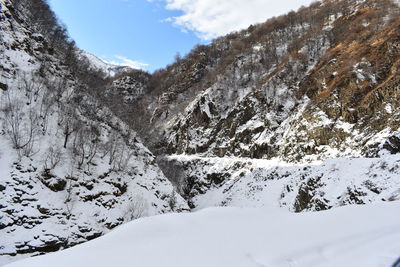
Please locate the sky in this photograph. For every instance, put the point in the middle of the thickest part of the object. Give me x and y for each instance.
(148, 34)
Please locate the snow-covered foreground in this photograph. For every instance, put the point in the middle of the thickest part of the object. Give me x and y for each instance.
(347, 236)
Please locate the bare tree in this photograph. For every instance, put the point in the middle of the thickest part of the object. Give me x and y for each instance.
(136, 209)
(111, 147)
(122, 158)
(86, 143)
(20, 124)
(67, 119)
(53, 157)
(173, 201)
(31, 86)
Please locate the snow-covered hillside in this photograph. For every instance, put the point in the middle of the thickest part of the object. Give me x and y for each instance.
(293, 91)
(287, 116)
(294, 88)
(321, 185)
(107, 68)
(319, 107)
(352, 236)
(70, 170)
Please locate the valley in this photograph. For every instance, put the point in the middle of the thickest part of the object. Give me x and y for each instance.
(287, 130)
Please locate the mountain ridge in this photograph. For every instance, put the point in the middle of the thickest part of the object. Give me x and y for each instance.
(300, 112)
(165, 110)
(294, 89)
(109, 69)
(70, 170)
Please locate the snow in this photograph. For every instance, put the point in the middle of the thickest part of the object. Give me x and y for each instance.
(251, 125)
(347, 236)
(236, 236)
(94, 198)
(275, 183)
(108, 68)
(258, 47)
(389, 108)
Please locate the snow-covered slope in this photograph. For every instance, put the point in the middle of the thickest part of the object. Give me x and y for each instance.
(294, 88)
(352, 236)
(252, 120)
(244, 182)
(294, 91)
(107, 68)
(313, 89)
(70, 170)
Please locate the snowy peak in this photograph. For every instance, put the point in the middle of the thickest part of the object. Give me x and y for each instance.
(109, 69)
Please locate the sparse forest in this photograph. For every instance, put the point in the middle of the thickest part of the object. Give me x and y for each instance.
(299, 112)
(64, 154)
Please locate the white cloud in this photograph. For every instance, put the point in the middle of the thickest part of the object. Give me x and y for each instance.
(124, 61)
(212, 18)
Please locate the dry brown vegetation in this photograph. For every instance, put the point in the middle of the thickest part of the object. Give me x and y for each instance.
(368, 36)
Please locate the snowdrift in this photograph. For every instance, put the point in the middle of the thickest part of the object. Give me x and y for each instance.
(347, 236)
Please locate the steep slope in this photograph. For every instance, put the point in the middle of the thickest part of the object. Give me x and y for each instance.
(316, 84)
(316, 99)
(255, 93)
(300, 112)
(107, 68)
(70, 170)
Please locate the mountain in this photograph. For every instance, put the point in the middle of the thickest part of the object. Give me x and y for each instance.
(256, 93)
(107, 68)
(305, 87)
(299, 113)
(70, 170)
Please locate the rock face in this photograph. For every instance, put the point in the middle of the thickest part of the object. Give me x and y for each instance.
(308, 86)
(70, 170)
(300, 112)
(130, 87)
(326, 96)
(294, 88)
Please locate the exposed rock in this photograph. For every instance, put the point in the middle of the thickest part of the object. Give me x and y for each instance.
(392, 145)
(53, 182)
(3, 86)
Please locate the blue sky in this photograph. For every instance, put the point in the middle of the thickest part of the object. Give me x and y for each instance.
(148, 34)
(117, 29)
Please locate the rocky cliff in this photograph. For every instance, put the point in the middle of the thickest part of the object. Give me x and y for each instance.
(312, 85)
(70, 170)
(300, 112)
